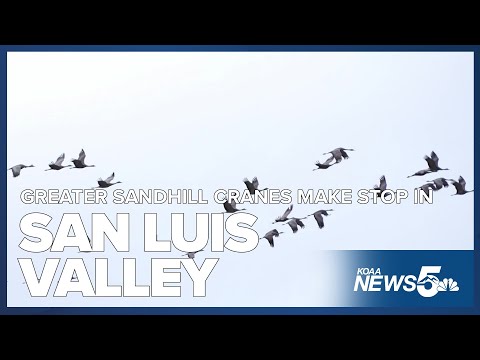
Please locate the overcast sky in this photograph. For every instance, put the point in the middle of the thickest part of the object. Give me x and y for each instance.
(204, 120)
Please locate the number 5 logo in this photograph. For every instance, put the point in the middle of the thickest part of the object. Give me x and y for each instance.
(427, 283)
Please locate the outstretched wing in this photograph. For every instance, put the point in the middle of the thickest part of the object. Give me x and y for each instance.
(234, 204)
(288, 211)
(431, 164)
(300, 223)
(328, 161)
(434, 157)
(293, 225)
(383, 183)
(461, 180)
(60, 159)
(81, 156)
(319, 219)
(337, 155)
(255, 182)
(110, 178)
(227, 206)
(344, 154)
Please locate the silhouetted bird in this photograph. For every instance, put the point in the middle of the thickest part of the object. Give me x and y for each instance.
(284, 217)
(319, 218)
(107, 182)
(57, 165)
(439, 183)
(421, 173)
(191, 254)
(460, 186)
(338, 154)
(80, 162)
(427, 186)
(294, 223)
(324, 165)
(17, 168)
(270, 235)
(432, 162)
(253, 185)
(231, 207)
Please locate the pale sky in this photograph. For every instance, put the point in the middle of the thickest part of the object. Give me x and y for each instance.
(202, 120)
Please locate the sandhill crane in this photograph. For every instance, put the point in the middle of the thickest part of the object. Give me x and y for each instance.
(382, 187)
(439, 183)
(284, 217)
(80, 162)
(337, 154)
(325, 165)
(253, 185)
(294, 223)
(17, 168)
(427, 186)
(57, 165)
(107, 182)
(460, 186)
(432, 162)
(319, 218)
(191, 254)
(421, 173)
(231, 207)
(270, 235)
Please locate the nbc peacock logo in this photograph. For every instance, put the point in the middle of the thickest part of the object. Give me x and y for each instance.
(448, 285)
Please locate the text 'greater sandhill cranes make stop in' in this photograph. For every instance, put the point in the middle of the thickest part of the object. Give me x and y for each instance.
(439, 183)
(338, 154)
(284, 217)
(107, 182)
(252, 186)
(318, 215)
(80, 162)
(294, 223)
(432, 162)
(57, 165)
(270, 235)
(460, 186)
(17, 168)
(231, 207)
(191, 254)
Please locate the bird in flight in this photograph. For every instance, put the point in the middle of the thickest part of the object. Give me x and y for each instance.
(294, 223)
(421, 173)
(270, 235)
(324, 165)
(432, 162)
(80, 162)
(107, 182)
(284, 217)
(318, 215)
(252, 186)
(338, 154)
(231, 207)
(191, 254)
(426, 187)
(57, 165)
(439, 183)
(17, 168)
(460, 186)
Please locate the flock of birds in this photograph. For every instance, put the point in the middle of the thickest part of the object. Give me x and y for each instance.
(293, 222)
(338, 154)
